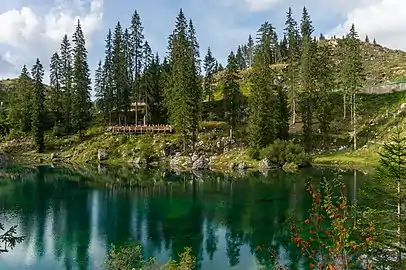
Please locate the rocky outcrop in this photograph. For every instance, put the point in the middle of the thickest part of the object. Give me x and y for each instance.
(175, 161)
(202, 163)
(242, 166)
(101, 154)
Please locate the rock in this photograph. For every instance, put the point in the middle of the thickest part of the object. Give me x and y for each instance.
(3, 160)
(232, 166)
(154, 164)
(200, 164)
(68, 156)
(54, 156)
(242, 166)
(139, 161)
(195, 157)
(75, 153)
(264, 164)
(101, 154)
(174, 163)
(219, 144)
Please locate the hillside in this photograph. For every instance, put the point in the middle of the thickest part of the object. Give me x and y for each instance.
(382, 65)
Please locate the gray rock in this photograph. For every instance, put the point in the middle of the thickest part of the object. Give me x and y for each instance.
(264, 164)
(54, 156)
(242, 166)
(139, 161)
(68, 156)
(201, 164)
(194, 157)
(101, 154)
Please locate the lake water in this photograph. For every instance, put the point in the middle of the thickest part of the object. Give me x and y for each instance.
(71, 218)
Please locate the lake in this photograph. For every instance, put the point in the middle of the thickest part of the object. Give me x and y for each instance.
(71, 217)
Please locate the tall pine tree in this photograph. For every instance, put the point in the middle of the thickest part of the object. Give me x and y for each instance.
(183, 95)
(38, 115)
(137, 40)
(209, 69)
(66, 82)
(262, 99)
(107, 95)
(293, 58)
(231, 93)
(21, 102)
(81, 84)
(307, 78)
(55, 77)
(353, 75)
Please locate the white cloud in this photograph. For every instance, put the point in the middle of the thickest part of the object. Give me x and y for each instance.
(260, 5)
(28, 34)
(383, 19)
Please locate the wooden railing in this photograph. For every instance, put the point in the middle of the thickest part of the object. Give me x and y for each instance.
(139, 129)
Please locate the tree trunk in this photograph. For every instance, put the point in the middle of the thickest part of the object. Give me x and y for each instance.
(352, 109)
(136, 113)
(293, 109)
(231, 133)
(345, 106)
(354, 123)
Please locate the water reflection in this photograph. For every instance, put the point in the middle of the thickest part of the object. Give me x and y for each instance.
(71, 218)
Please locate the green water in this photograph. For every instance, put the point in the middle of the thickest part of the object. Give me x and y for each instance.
(71, 219)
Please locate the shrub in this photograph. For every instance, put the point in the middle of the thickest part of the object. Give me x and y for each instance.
(282, 152)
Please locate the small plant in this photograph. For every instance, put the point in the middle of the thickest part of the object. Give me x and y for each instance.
(9, 239)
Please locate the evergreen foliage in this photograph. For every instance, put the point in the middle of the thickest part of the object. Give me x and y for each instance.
(55, 104)
(231, 93)
(209, 69)
(81, 84)
(38, 113)
(66, 82)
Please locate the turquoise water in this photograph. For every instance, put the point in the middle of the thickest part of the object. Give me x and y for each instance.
(71, 219)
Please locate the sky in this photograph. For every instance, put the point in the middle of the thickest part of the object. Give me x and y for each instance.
(31, 29)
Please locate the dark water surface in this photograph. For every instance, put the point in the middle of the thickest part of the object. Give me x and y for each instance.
(70, 220)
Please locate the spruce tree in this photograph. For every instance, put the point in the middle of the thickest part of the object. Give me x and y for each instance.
(183, 93)
(220, 67)
(366, 39)
(191, 34)
(81, 84)
(137, 41)
(156, 96)
(250, 48)
(325, 84)
(307, 78)
(240, 58)
(56, 93)
(353, 76)
(98, 86)
(119, 74)
(107, 80)
(209, 69)
(231, 93)
(38, 115)
(293, 59)
(282, 114)
(66, 82)
(262, 99)
(21, 102)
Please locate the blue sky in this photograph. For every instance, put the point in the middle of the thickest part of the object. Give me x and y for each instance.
(34, 28)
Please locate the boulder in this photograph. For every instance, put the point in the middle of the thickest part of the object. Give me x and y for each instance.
(201, 163)
(54, 156)
(195, 157)
(139, 161)
(101, 154)
(242, 166)
(264, 164)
